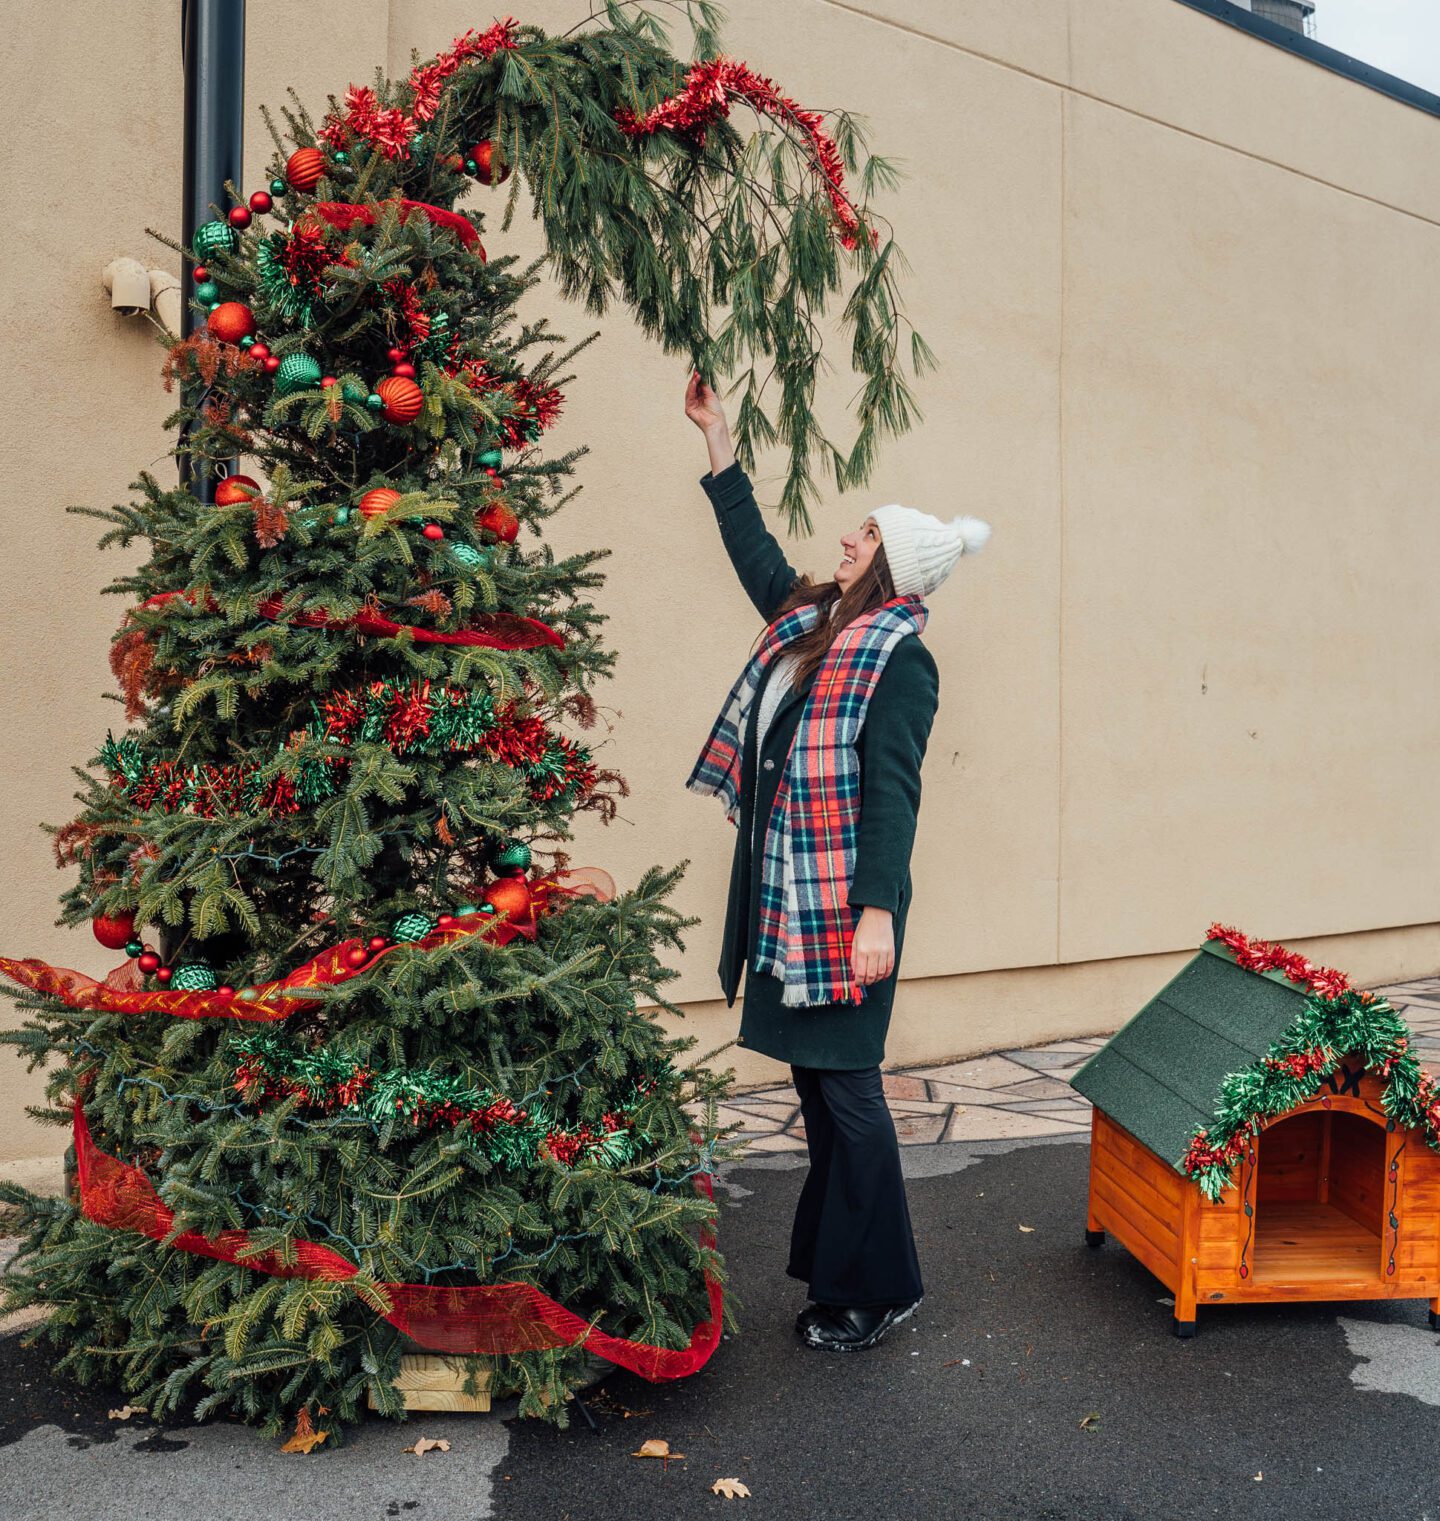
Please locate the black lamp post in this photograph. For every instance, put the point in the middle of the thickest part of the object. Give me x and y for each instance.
(212, 35)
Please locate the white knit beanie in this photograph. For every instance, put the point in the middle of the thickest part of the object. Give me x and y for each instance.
(921, 550)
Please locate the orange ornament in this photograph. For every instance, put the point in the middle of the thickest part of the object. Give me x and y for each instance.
(231, 321)
(490, 168)
(305, 168)
(235, 489)
(499, 519)
(380, 500)
(403, 399)
(510, 898)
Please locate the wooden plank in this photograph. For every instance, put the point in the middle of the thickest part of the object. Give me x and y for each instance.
(437, 1383)
(1114, 1204)
(1138, 1158)
(1124, 1181)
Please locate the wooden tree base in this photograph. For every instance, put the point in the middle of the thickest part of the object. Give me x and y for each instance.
(429, 1382)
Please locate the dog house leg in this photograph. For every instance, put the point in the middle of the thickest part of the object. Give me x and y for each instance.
(1094, 1237)
(1184, 1329)
(1435, 1314)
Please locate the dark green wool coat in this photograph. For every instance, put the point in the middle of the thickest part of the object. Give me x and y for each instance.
(890, 748)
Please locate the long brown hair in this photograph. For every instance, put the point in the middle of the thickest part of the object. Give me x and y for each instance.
(843, 606)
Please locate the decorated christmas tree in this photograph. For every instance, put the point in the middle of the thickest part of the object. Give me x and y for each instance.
(371, 1077)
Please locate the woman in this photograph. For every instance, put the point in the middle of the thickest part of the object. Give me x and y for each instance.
(816, 756)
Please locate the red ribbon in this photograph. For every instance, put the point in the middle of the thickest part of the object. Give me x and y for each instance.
(343, 215)
(486, 1319)
(267, 1002)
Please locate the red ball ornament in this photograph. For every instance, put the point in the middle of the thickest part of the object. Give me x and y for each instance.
(395, 355)
(200, 272)
(490, 169)
(239, 216)
(499, 519)
(235, 489)
(327, 380)
(378, 942)
(402, 398)
(445, 921)
(272, 363)
(231, 321)
(148, 962)
(225, 990)
(356, 956)
(114, 931)
(164, 973)
(305, 168)
(260, 202)
(433, 531)
(259, 350)
(510, 898)
(380, 500)
(405, 370)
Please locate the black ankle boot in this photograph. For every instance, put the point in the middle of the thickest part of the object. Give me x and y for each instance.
(838, 1329)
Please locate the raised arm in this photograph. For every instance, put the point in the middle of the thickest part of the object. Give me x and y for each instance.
(759, 561)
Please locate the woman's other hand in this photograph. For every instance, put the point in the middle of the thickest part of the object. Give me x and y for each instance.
(703, 408)
(872, 949)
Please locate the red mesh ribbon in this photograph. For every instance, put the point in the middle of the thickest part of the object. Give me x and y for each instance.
(485, 1319)
(344, 215)
(269, 1001)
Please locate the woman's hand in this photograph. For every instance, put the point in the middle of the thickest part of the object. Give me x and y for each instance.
(872, 949)
(703, 408)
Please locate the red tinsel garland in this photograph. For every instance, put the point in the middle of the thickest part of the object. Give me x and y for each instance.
(390, 129)
(706, 95)
(1269, 956)
(532, 405)
(343, 215)
(485, 1319)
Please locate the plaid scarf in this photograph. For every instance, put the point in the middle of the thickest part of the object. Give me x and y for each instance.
(806, 923)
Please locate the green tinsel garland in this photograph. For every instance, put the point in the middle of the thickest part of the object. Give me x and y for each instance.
(267, 1067)
(1326, 1030)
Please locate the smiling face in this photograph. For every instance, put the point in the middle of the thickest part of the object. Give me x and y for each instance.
(858, 549)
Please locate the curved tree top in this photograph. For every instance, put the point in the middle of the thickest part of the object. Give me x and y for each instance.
(727, 217)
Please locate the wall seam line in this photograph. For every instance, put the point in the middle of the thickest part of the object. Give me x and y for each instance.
(1100, 100)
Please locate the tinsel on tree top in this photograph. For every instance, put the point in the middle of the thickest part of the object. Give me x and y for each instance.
(359, 702)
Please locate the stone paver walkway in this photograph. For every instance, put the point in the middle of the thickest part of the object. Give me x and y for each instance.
(1008, 1095)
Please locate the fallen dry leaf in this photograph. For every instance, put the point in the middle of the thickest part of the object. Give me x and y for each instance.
(1090, 1422)
(126, 1411)
(306, 1437)
(656, 1447)
(730, 1488)
(429, 1444)
(1028, 1229)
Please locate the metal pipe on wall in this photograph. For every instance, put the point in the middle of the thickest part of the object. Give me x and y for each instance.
(212, 40)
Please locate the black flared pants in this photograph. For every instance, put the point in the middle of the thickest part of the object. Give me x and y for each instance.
(852, 1241)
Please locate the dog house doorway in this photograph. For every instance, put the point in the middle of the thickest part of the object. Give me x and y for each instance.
(1319, 1198)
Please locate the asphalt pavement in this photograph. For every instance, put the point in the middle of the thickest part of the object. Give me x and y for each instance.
(1038, 1381)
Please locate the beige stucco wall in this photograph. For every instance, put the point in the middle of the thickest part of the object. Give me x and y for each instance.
(1182, 286)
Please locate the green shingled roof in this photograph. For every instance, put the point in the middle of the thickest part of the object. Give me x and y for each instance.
(1160, 1075)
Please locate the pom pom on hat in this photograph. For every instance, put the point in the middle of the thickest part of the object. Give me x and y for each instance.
(921, 550)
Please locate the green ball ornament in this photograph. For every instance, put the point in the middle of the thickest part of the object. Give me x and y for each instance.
(215, 306)
(194, 977)
(248, 341)
(470, 557)
(340, 156)
(297, 372)
(488, 908)
(466, 909)
(356, 394)
(206, 291)
(471, 167)
(214, 237)
(491, 459)
(342, 515)
(515, 855)
(278, 186)
(133, 948)
(375, 401)
(412, 927)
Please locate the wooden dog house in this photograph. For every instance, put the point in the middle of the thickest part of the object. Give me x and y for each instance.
(1329, 1198)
